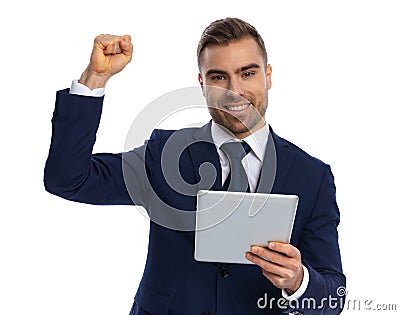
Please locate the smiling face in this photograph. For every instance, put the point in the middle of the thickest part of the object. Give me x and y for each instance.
(235, 82)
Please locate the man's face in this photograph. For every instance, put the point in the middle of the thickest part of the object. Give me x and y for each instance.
(235, 82)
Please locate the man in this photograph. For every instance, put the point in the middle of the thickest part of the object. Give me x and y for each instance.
(235, 77)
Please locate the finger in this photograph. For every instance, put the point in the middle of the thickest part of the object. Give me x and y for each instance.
(284, 248)
(109, 44)
(283, 254)
(127, 38)
(268, 254)
(274, 262)
(103, 41)
(280, 276)
(266, 265)
(114, 47)
(126, 46)
(276, 280)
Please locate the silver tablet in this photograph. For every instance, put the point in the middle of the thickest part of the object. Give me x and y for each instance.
(228, 223)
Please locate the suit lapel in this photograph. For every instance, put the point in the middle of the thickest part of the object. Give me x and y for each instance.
(276, 165)
(202, 150)
(277, 161)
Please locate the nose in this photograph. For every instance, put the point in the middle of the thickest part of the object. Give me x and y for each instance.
(235, 88)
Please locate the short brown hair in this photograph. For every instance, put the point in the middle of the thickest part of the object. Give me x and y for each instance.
(225, 31)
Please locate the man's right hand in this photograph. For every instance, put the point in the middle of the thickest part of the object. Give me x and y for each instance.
(110, 54)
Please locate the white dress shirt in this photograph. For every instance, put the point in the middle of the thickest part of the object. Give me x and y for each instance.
(81, 89)
(252, 162)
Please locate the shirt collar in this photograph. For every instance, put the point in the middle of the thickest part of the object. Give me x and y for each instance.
(256, 140)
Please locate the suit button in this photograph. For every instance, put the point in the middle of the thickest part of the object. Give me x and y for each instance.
(206, 313)
(224, 272)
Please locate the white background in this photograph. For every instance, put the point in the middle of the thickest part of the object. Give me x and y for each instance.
(335, 93)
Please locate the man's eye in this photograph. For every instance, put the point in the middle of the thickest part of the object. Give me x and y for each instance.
(247, 74)
(218, 77)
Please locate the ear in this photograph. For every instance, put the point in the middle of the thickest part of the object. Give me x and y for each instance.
(200, 79)
(268, 73)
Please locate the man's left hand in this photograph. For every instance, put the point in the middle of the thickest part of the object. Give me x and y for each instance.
(280, 263)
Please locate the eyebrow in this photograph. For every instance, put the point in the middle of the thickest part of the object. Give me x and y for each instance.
(217, 71)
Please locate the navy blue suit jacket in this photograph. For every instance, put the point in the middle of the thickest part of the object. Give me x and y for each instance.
(173, 282)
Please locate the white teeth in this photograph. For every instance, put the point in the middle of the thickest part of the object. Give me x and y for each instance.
(237, 108)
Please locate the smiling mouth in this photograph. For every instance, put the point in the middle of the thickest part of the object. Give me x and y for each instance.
(236, 107)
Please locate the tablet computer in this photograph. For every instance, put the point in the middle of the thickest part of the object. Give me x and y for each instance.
(228, 223)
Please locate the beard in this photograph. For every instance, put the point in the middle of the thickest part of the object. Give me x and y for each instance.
(241, 121)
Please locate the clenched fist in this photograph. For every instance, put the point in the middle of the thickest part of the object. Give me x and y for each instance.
(110, 54)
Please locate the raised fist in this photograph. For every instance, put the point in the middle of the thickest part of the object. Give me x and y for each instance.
(110, 54)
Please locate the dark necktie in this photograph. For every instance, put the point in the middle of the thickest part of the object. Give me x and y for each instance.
(237, 179)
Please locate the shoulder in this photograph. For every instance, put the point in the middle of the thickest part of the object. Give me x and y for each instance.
(160, 139)
(299, 155)
(163, 135)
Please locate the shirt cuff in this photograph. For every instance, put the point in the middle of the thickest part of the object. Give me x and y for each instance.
(80, 89)
(300, 291)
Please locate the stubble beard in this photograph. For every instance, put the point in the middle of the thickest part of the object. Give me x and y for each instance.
(240, 125)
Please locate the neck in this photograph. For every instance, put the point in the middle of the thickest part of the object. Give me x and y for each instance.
(258, 126)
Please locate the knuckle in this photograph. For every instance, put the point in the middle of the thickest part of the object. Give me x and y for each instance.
(98, 38)
(280, 283)
(287, 274)
(294, 265)
(262, 264)
(294, 252)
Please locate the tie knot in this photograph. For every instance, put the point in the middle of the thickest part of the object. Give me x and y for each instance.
(235, 149)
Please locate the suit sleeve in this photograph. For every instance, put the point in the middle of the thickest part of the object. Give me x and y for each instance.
(73, 172)
(321, 254)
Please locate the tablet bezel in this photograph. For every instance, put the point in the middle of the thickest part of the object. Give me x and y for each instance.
(222, 215)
